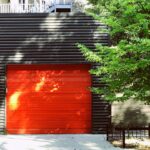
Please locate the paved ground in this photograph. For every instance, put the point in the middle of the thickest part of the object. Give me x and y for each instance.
(55, 142)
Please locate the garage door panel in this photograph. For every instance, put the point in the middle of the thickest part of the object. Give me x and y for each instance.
(78, 107)
(68, 98)
(48, 99)
(36, 107)
(50, 131)
(47, 79)
(44, 115)
(51, 106)
(55, 105)
(57, 98)
(49, 88)
(53, 88)
(30, 116)
(36, 78)
(50, 68)
(53, 124)
(43, 112)
(50, 113)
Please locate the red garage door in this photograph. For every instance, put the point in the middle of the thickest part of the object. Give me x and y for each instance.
(48, 99)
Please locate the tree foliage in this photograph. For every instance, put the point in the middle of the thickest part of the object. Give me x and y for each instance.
(125, 65)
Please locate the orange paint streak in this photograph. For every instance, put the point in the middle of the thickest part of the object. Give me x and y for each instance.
(14, 101)
(39, 85)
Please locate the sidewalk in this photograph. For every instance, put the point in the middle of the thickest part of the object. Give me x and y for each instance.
(55, 142)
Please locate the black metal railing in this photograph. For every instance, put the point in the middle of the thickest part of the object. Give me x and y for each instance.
(123, 133)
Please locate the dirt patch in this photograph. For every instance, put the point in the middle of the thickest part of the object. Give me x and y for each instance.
(136, 144)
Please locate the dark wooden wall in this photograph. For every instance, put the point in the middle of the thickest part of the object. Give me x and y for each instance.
(50, 39)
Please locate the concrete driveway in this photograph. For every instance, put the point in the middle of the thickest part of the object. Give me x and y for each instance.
(55, 142)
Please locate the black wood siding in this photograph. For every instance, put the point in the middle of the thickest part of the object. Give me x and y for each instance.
(50, 39)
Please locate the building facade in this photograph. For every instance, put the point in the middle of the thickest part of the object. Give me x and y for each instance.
(45, 79)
